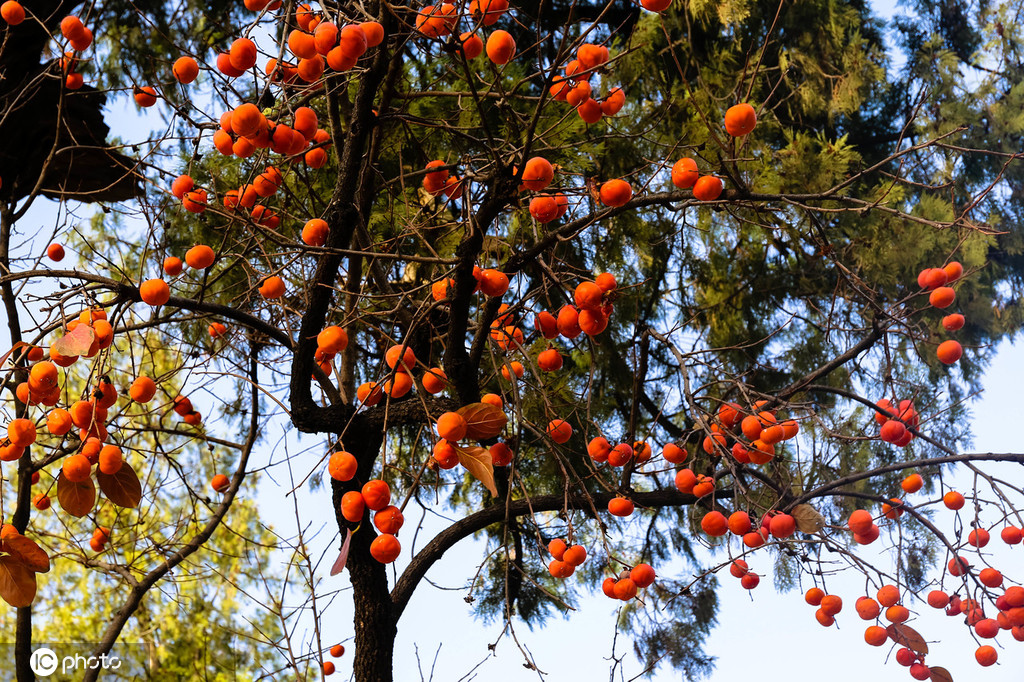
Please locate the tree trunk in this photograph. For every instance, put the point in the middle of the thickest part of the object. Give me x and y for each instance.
(375, 626)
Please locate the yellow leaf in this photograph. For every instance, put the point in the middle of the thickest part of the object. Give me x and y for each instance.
(477, 461)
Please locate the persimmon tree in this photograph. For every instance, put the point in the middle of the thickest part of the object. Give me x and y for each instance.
(616, 286)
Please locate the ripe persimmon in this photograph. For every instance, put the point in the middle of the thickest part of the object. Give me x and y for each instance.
(489, 11)
(708, 188)
(242, 55)
(740, 120)
(517, 369)
(445, 455)
(389, 519)
(58, 421)
(200, 257)
(942, 297)
(501, 47)
(684, 173)
(537, 173)
(642, 575)
(110, 460)
(374, 33)
(342, 465)
(434, 380)
(55, 252)
(272, 287)
(376, 494)
(76, 468)
(185, 70)
(549, 360)
(952, 323)
(154, 292)
(145, 96)
(876, 635)
(385, 548)
(814, 595)
(714, 523)
(616, 192)
(493, 282)
(353, 506)
(620, 506)
(625, 589)
(568, 322)
(398, 359)
(501, 454)
(949, 352)
(452, 426)
(12, 12)
(544, 208)
(559, 430)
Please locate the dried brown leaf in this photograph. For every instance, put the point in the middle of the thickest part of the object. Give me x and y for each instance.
(483, 420)
(122, 488)
(17, 582)
(477, 461)
(907, 636)
(76, 499)
(808, 520)
(940, 674)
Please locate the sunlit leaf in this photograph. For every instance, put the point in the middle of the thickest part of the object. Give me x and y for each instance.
(477, 461)
(27, 552)
(122, 488)
(17, 582)
(339, 563)
(76, 342)
(76, 499)
(483, 420)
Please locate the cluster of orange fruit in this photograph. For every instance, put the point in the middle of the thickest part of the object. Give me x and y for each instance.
(375, 495)
(575, 89)
(629, 582)
(77, 35)
(740, 569)
(897, 429)
(937, 281)
(89, 334)
(761, 430)
(594, 305)
(400, 382)
(440, 20)
(157, 292)
(566, 558)
(245, 129)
